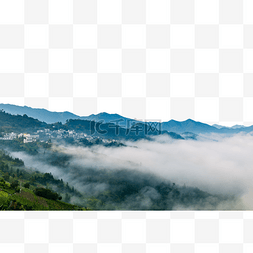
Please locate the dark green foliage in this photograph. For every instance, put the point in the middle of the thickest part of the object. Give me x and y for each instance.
(88, 143)
(5, 186)
(17, 144)
(14, 161)
(6, 176)
(27, 185)
(14, 184)
(18, 123)
(58, 159)
(46, 193)
(14, 198)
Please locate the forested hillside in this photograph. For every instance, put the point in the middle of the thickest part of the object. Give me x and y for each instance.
(23, 189)
(18, 123)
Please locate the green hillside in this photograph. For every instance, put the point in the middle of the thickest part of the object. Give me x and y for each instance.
(25, 199)
(21, 189)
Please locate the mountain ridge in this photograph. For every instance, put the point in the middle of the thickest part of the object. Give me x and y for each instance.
(172, 125)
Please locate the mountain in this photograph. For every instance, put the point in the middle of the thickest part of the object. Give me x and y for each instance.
(178, 127)
(237, 126)
(106, 117)
(233, 127)
(189, 136)
(109, 130)
(188, 126)
(52, 117)
(18, 123)
(217, 126)
(40, 114)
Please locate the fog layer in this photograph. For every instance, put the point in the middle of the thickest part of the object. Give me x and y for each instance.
(216, 164)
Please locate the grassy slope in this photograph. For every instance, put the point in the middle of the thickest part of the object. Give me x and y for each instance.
(25, 199)
(22, 198)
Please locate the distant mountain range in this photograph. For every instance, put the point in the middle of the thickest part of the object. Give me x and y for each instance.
(53, 117)
(170, 126)
(233, 127)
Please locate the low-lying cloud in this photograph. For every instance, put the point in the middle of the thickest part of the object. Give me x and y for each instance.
(215, 164)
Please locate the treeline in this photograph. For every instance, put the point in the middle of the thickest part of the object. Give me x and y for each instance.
(58, 184)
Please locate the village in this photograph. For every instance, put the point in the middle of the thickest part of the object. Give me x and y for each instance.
(47, 135)
(43, 135)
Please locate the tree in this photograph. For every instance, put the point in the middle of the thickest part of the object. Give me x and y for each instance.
(67, 198)
(6, 176)
(27, 185)
(46, 193)
(14, 184)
